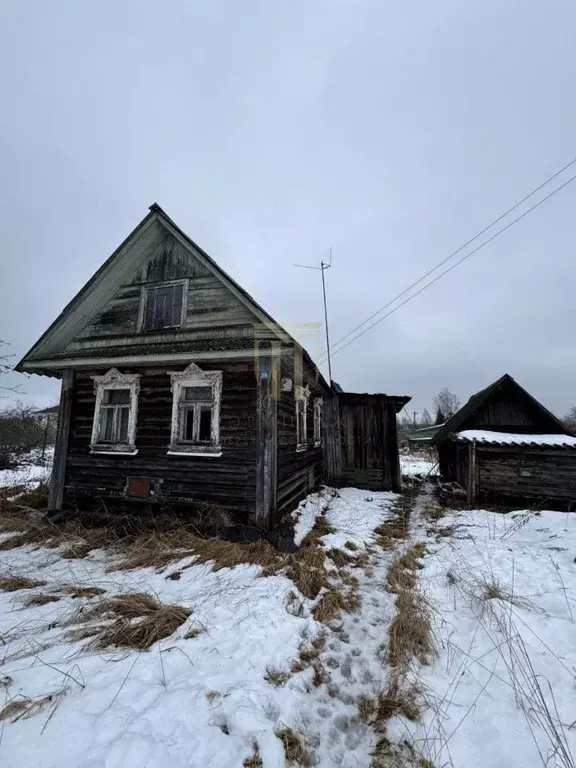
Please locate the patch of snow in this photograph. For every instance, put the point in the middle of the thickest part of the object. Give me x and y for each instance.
(355, 514)
(31, 472)
(413, 465)
(501, 662)
(307, 511)
(507, 438)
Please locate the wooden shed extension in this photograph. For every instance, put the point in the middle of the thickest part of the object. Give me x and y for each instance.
(504, 445)
(361, 440)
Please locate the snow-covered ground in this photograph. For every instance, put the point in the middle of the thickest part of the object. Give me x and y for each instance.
(32, 471)
(415, 465)
(192, 702)
(502, 686)
(505, 678)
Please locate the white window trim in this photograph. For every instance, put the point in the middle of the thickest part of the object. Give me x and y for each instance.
(318, 411)
(113, 379)
(144, 297)
(302, 394)
(194, 376)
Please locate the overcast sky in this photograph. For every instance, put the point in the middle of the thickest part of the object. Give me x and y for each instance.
(272, 130)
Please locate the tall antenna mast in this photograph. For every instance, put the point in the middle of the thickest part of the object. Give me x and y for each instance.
(322, 268)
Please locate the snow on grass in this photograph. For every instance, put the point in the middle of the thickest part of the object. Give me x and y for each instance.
(355, 514)
(307, 511)
(415, 465)
(194, 702)
(31, 472)
(503, 588)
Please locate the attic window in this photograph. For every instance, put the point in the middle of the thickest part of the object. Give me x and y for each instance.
(164, 306)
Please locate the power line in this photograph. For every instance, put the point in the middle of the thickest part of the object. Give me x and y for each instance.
(453, 266)
(456, 252)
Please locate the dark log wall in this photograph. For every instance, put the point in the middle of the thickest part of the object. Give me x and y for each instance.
(506, 411)
(530, 474)
(298, 471)
(228, 480)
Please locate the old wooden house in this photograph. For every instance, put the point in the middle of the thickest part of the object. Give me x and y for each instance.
(504, 445)
(179, 390)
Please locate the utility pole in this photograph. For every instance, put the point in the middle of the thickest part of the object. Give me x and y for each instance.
(323, 267)
(415, 413)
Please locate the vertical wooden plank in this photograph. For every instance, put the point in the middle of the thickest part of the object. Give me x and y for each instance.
(471, 490)
(393, 456)
(266, 441)
(58, 478)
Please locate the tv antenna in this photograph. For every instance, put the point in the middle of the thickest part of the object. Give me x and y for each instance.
(322, 268)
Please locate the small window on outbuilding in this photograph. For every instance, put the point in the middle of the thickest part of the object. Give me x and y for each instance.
(164, 306)
(302, 397)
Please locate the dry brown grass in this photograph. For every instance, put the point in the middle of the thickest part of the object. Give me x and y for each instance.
(320, 674)
(276, 677)
(76, 592)
(402, 572)
(339, 557)
(434, 511)
(193, 633)
(40, 600)
(334, 600)
(351, 546)
(410, 635)
(367, 707)
(399, 699)
(135, 621)
(254, 761)
(312, 652)
(391, 531)
(294, 750)
(22, 709)
(492, 590)
(13, 583)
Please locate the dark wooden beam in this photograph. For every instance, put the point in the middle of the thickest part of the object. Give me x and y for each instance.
(266, 440)
(56, 495)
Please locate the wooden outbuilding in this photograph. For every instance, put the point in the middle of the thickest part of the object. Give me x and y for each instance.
(180, 391)
(505, 446)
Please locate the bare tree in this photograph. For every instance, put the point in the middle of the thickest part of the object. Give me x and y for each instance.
(569, 420)
(6, 368)
(426, 420)
(446, 404)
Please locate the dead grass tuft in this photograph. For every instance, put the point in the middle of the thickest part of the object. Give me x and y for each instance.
(410, 634)
(294, 750)
(13, 709)
(254, 761)
(40, 600)
(320, 674)
(492, 590)
(339, 557)
(134, 621)
(194, 632)
(75, 592)
(434, 511)
(22, 709)
(311, 653)
(391, 531)
(332, 602)
(276, 677)
(367, 708)
(399, 700)
(307, 570)
(351, 546)
(13, 583)
(402, 572)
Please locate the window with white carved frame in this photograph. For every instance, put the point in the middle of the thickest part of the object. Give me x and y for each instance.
(195, 412)
(302, 397)
(115, 411)
(318, 406)
(164, 306)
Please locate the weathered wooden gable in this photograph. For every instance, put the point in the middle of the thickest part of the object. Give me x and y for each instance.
(210, 303)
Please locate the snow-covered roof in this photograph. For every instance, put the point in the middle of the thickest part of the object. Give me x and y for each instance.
(488, 437)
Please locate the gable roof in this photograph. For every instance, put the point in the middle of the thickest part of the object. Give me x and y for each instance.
(476, 401)
(105, 280)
